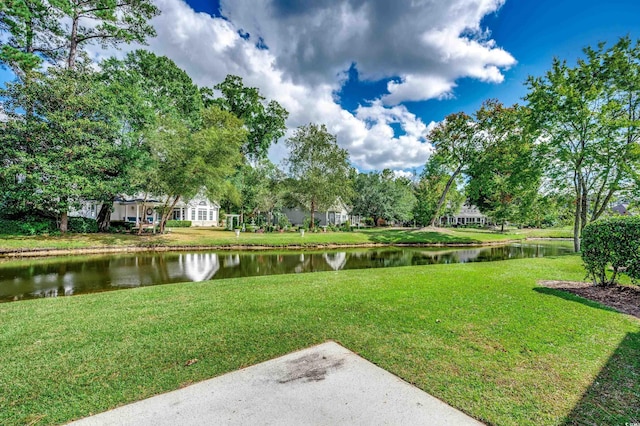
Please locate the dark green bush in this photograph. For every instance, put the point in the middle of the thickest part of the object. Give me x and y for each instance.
(612, 244)
(120, 225)
(30, 225)
(83, 225)
(178, 224)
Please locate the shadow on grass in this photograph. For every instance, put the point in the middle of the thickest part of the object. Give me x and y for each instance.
(614, 395)
(613, 398)
(572, 297)
(401, 236)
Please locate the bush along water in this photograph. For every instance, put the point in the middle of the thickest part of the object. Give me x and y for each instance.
(612, 247)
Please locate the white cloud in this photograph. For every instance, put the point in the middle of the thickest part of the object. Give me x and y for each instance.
(427, 44)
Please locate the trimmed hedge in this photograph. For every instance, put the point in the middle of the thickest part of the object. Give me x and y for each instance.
(612, 244)
(178, 224)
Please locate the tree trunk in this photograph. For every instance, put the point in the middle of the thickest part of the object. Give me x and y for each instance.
(64, 222)
(584, 209)
(104, 217)
(313, 210)
(576, 222)
(436, 214)
(502, 226)
(165, 214)
(141, 221)
(73, 43)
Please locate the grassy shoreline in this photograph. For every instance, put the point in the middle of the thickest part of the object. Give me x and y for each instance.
(207, 238)
(482, 337)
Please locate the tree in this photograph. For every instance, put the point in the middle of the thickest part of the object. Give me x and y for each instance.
(265, 121)
(380, 195)
(456, 144)
(33, 33)
(504, 181)
(319, 167)
(66, 150)
(186, 162)
(144, 86)
(430, 187)
(106, 22)
(590, 116)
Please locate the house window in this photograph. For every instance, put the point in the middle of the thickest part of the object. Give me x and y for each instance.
(211, 214)
(193, 214)
(202, 214)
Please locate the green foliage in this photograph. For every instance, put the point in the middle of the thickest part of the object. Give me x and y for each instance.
(178, 223)
(429, 190)
(457, 143)
(504, 179)
(319, 168)
(265, 121)
(67, 148)
(38, 225)
(590, 117)
(34, 32)
(83, 225)
(612, 243)
(383, 196)
(29, 225)
(186, 161)
(121, 225)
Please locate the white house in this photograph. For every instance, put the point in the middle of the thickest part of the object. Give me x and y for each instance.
(199, 210)
(468, 215)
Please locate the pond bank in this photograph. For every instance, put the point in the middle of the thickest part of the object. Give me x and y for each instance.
(44, 252)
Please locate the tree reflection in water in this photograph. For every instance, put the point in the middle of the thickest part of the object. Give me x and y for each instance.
(27, 279)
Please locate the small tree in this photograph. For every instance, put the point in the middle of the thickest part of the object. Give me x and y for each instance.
(319, 168)
(187, 162)
(613, 243)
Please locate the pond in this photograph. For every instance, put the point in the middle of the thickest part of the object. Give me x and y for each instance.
(65, 276)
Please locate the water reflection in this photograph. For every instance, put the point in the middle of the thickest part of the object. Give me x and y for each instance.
(27, 279)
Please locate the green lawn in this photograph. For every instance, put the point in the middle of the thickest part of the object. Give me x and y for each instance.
(215, 238)
(482, 337)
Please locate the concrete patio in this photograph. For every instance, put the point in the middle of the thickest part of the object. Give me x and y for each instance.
(321, 385)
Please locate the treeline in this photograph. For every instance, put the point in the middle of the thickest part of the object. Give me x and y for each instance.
(78, 130)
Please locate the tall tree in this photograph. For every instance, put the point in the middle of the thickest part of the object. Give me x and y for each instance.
(66, 150)
(456, 144)
(380, 195)
(319, 167)
(187, 162)
(264, 120)
(590, 115)
(144, 86)
(504, 181)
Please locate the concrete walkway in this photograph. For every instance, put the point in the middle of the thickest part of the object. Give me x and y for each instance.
(322, 385)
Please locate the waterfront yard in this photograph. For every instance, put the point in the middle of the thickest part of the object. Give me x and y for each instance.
(483, 337)
(210, 237)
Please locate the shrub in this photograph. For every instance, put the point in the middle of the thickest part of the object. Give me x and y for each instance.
(29, 225)
(612, 244)
(178, 224)
(120, 225)
(83, 225)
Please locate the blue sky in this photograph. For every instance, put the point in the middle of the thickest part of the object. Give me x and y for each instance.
(380, 73)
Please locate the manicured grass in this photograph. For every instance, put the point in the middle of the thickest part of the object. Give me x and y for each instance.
(216, 238)
(482, 337)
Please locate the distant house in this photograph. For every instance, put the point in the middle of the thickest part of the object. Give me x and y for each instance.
(468, 215)
(337, 215)
(621, 209)
(135, 209)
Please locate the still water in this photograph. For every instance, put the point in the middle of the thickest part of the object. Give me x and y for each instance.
(65, 276)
